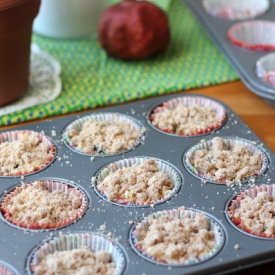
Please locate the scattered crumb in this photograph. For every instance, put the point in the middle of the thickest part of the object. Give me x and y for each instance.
(103, 227)
(236, 246)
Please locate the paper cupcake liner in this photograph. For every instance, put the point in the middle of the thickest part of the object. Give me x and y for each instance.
(112, 117)
(14, 135)
(235, 203)
(143, 225)
(230, 142)
(189, 101)
(265, 68)
(236, 9)
(51, 185)
(165, 167)
(6, 269)
(74, 241)
(254, 35)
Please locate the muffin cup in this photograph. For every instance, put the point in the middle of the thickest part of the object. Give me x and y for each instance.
(165, 167)
(235, 203)
(6, 269)
(236, 9)
(14, 136)
(189, 101)
(51, 185)
(254, 35)
(143, 224)
(74, 241)
(101, 117)
(230, 142)
(265, 69)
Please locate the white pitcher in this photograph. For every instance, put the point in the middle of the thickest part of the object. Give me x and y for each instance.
(68, 19)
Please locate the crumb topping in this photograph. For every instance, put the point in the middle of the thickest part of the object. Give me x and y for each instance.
(227, 165)
(35, 204)
(23, 155)
(185, 120)
(140, 183)
(76, 262)
(177, 239)
(257, 214)
(105, 137)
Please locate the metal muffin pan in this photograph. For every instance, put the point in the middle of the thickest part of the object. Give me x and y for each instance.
(242, 60)
(116, 222)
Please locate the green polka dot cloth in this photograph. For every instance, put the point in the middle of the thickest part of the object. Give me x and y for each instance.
(90, 79)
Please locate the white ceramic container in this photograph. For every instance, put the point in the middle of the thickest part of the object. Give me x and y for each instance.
(69, 19)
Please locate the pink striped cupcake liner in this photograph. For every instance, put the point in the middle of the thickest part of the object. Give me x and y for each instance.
(265, 68)
(235, 202)
(254, 35)
(6, 269)
(67, 242)
(236, 9)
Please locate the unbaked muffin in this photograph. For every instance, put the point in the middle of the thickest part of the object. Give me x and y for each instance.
(138, 181)
(104, 134)
(188, 116)
(24, 152)
(225, 160)
(43, 204)
(177, 237)
(253, 211)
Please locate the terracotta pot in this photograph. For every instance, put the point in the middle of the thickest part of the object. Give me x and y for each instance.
(16, 18)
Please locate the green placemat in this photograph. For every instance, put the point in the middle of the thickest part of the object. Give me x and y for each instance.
(90, 79)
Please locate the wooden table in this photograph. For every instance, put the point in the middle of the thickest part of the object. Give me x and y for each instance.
(257, 114)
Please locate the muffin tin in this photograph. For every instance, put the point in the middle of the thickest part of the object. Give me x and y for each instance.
(116, 222)
(243, 41)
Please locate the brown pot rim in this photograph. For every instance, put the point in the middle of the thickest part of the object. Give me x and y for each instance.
(8, 4)
(18, 17)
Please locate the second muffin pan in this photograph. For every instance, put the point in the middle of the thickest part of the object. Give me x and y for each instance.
(244, 31)
(117, 226)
